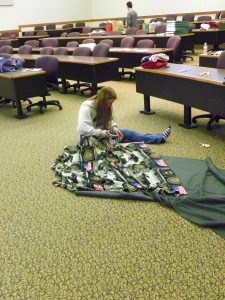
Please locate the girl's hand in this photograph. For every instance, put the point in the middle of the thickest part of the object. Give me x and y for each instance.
(118, 133)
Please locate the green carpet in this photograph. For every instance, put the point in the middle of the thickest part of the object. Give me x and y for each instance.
(55, 245)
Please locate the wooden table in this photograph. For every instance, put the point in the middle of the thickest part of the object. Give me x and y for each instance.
(214, 37)
(186, 85)
(209, 60)
(89, 69)
(131, 57)
(21, 85)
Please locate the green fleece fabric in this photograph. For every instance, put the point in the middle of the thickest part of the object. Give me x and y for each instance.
(205, 184)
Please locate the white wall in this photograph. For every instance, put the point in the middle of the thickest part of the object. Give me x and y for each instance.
(38, 11)
(117, 8)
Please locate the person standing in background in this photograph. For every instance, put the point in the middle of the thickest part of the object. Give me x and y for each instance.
(131, 16)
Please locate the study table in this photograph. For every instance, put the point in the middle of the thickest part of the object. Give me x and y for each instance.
(209, 60)
(131, 57)
(184, 84)
(23, 39)
(211, 36)
(21, 85)
(89, 69)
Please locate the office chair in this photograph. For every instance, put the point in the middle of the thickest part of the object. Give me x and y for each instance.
(50, 65)
(131, 31)
(25, 49)
(72, 44)
(222, 16)
(87, 41)
(67, 26)
(5, 43)
(217, 16)
(107, 41)
(141, 31)
(86, 29)
(80, 24)
(102, 24)
(170, 18)
(79, 51)
(64, 34)
(61, 51)
(6, 49)
(29, 33)
(174, 43)
(41, 33)
(74, 33)
(213, 117)
(145, 43)
(204, 18)
(47, 51)
(160, 28)
(38, 28)
(188, 17)
(32, 43)
(50, 42)
(100, 50)
(51, 26)
(127, 42)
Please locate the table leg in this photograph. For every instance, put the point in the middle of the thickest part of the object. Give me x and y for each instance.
(64, 87)
(20, 113)
(94, 88)
(187, 118)
(147, 106)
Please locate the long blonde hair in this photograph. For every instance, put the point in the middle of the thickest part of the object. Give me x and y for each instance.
(104, 114)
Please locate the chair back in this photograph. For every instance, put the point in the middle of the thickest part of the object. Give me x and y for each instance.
(38, 28)
(141, 31)
(217, 16)
(102, 24)
(28, 33)
(32, 43)
(63, 34)
(188, 17)
(82, 51)
(87, 41)
(6, 49)
(222, 16)
(86, 29)
(159, 19)
(204, 18)
(221, 61)
(107, 41)
(101, 50)
(50, 65)
(114, 32)
(80, 24)
(61, 51)
(131, 31)
(72, 44)
(50, 26)
(160, 28)
(67, 26)
(145, 43)
(25, 49)
(5, 43)
(47, 51)
(74, 34)
(50, 42)
(5, 55)
(170, 18)
(174, 42)
(127, 42)
(41, 33)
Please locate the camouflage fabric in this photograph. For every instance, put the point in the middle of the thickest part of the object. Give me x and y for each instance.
(107, 165)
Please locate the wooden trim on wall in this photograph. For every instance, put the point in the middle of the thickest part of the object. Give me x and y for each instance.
(120, 18)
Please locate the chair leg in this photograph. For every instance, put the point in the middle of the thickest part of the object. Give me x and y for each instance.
(214, 118)
(201, 117)
(43, 104)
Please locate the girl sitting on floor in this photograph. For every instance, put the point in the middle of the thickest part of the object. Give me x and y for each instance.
(96, 119)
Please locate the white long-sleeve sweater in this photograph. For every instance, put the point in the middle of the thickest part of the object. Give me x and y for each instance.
(86, 120)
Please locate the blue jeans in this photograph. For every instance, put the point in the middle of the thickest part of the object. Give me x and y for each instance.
(133, 136)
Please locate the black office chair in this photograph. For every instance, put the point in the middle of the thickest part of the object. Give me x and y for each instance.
(127, 42)
(50, 65)
(213, 117)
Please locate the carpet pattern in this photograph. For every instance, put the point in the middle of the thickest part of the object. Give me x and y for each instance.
(55, 245)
